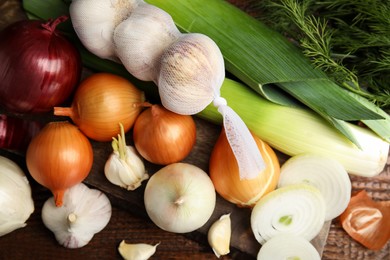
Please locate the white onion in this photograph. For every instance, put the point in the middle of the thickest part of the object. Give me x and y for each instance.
(297, 209)
(326, 174)
(180, 198)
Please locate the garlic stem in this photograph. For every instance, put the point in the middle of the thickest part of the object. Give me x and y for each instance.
(72, 217)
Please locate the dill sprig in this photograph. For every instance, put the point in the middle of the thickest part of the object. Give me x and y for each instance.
(349, 40)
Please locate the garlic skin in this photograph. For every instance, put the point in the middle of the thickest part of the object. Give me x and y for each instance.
(127, 173)
(136, 251)
(16, 203)
(141, 39)
(219, 235)
(84, 213)
(95, 22)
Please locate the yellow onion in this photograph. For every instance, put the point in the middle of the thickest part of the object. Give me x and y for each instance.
(164, 137)
(101, 102)
(226, 178)
(59, 157)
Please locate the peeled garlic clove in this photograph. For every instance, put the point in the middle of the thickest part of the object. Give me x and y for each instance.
(192, 71)
(136, 251)
(141, 39)
(84, 213)
(219, 235)
(96, 23)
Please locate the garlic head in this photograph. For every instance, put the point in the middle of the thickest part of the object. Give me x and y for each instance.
(84, 213)
(219, 235)
(95, 21)
(141, 39)
(138, 251)
(191, 72)
(16, 203)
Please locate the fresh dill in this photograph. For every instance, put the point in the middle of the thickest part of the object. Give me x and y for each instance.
(349, 40)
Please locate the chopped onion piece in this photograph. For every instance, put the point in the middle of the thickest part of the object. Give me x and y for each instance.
(326, 174)
(287, 246)
(297, 209)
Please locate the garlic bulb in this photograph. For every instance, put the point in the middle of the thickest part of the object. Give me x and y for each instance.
(188, 68)
(84, 213)
(16, 203)
(125, 167)
(219, 235)
(95, 22)
(139, 51)
(136, 251)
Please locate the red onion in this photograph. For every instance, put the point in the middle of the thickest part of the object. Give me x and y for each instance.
(39, 68)
(16, 133)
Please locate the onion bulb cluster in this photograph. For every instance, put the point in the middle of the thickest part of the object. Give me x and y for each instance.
(226, 177)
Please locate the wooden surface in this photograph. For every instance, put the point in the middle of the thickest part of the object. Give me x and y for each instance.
(130, 222)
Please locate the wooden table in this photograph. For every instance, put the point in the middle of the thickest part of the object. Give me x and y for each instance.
(131, 223)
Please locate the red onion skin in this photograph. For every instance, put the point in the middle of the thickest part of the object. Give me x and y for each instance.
(39, 68)
(16, 133)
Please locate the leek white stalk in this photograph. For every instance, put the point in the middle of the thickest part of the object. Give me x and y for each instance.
(297, 209)
(295, 131)
(287, 246)
(16, 203)
(324, 173)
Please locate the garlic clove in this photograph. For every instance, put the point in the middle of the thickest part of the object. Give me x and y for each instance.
(192, 71)
(95, 22)
(136, 251)
(141, 39)
(84, 213)
(127, 173)
(219, 235)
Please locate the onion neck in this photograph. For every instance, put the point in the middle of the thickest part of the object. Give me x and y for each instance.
(63, 111)
(58, 197)
(52, 24)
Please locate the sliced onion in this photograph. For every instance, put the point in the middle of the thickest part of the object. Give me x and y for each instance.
(326, 174)
(287, 246)
(297, 209)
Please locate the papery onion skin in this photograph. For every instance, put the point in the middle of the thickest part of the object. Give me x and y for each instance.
(39, 68)
(226, 178)
(101, 102)
(59, 157)
(164, 137)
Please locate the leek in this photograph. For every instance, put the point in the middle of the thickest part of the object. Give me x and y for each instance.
(265, 61)
(295, 131)
(291, 130)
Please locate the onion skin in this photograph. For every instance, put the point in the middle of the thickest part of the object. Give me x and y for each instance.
(59, 157)
(226, 178)
(39, 68)
(162, 136)
(101, 102)
(16, 133)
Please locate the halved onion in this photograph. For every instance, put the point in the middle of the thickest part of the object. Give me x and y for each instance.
(326, 174)
(297, 209)
(287, 246)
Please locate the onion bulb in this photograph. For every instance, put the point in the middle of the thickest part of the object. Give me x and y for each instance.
(297, 209)
(164, 137)
(101, 103)
(287, 246)
(59, 157)
(39, 67)
(180, 198)
(225, 174)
